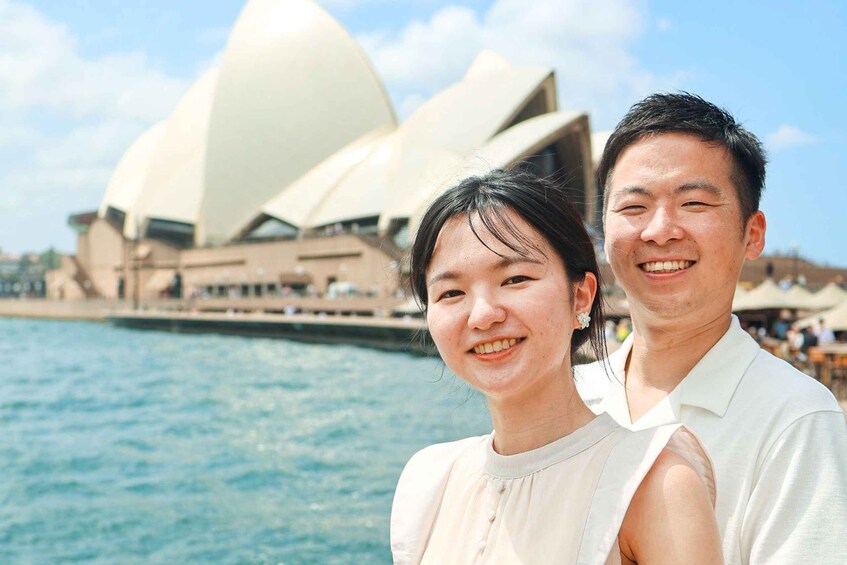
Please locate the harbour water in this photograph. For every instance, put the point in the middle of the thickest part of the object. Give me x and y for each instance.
(124, 446)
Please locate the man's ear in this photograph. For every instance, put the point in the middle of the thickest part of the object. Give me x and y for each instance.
(754, 233)
(584, 293)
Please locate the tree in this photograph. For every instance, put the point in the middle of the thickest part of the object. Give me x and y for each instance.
(51, 259)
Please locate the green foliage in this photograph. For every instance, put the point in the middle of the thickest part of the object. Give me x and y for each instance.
(51, 259)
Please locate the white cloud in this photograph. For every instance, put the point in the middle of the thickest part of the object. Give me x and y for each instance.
(36, 188)
(41, 69)
(349, 4)
(427, 54)
(664, 24)
(65, 119)
(88, 145)
(587, 43)
(787, 136)
(16, 135)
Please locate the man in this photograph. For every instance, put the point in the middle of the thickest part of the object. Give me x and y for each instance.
(682, 183)
(824, 334)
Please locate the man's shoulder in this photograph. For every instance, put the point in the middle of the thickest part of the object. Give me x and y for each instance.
(777, 384)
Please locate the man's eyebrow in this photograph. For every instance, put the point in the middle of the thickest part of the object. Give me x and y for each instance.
(503, 263)
(629, 190)
(686, 187)
(699, 185)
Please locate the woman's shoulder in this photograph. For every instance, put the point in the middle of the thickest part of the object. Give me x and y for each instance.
(431, 465)
(418, 495)
(439, 454)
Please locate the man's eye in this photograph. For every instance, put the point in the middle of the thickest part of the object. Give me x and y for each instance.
(516, 279)
(695, 203)
(631, 208)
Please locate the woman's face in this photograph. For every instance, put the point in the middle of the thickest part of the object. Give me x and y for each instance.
(502, 322)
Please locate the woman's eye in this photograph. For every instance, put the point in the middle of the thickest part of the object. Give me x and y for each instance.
(449, 294)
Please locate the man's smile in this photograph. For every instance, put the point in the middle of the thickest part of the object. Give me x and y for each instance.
(663, 267)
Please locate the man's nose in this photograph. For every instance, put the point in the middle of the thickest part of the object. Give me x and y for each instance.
(485, 313)
(662, 227)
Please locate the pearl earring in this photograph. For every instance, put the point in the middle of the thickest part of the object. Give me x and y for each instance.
(584, 318)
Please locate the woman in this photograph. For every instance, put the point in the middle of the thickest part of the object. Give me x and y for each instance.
(507, 276)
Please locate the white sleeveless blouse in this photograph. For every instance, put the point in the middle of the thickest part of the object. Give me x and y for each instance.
(561, 503)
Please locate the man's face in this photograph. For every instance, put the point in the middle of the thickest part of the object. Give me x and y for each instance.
(674, 233)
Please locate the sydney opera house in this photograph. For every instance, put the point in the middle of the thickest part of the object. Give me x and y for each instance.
(286, 169)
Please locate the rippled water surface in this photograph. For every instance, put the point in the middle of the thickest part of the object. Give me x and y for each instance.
(121, 446)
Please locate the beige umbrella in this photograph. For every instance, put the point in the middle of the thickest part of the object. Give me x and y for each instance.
(766, 296)
(834, 318)
(828, 297)
(738, 300)
(798, 297)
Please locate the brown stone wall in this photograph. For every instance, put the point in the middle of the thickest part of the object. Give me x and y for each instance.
(100, 253)
(345, 258)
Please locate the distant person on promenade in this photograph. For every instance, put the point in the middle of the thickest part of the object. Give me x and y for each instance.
(506, 273)
(682, 182)
(824, 334)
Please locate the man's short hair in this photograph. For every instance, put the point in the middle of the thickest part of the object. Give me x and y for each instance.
(683, 112)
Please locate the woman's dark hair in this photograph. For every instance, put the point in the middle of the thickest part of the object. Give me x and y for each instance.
(543, 204)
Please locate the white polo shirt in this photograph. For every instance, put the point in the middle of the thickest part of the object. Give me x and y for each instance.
(778, 440)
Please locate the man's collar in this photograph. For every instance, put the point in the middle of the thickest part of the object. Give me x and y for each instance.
(714, 379)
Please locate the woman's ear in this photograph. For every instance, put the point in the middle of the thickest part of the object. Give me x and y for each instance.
(584, 293)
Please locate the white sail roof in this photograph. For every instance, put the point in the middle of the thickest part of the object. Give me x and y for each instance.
(506, 149)
(294, 88)
(295, 204)
(127, 179)
(437, 138)
(173, 187)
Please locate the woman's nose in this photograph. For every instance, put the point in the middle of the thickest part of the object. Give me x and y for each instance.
(485, 313)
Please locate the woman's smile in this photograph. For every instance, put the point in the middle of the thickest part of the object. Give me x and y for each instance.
(495, 345)
(489, 349)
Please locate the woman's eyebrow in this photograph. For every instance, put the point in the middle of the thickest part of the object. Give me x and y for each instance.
(444, 275)
(508, 261)
(503, 263)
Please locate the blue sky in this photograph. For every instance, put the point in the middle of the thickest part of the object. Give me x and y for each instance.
(80, 79)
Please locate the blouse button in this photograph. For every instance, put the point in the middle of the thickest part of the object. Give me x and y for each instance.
(492, 515)
(502, 488)
(482, 546)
